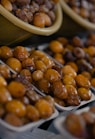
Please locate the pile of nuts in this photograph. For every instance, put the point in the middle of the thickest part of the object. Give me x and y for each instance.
(20, 103)
(76, 52)
(84, 8)
(40, 13)
(62, 83)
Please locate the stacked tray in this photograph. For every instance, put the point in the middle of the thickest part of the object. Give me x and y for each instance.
(18, 102)
(29, 63)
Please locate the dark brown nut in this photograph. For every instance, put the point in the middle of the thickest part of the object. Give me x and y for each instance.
(13, 120)
(24, 15)
(16, 107)
(4, 95)
(59, 101)
(84, 65)
(73, 101)
(33, 96)
(59, 90)
(79, 52)
(85, 94)
(68, 56)
(44, 108)
(32, 113)
(22, 2)
(5, 72)
(25, 100)
(44, 85)
(20, 53)
(15, 64)
(5, 52)
(75, 125)
(27, 74)
(16, 89)
(76, 41)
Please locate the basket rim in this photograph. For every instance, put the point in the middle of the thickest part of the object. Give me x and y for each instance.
(77, 18)
(31, 28)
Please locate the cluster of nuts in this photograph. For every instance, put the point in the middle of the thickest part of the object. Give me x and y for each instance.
(63, 83)
(84, 8)
(40, 13)
(19, 104)
(76, 52)
(81, 125)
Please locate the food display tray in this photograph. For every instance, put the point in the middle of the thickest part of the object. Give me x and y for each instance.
(58, 124)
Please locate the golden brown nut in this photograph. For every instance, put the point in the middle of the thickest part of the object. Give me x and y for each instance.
(20, 53)
(85, 94)
(4, 95)
(37, 54)
(48, 62)
(32, 113)
(7, 5)
(37, 75)
(50, 100)
(3, 82)
(68, 70)
(5, 52)
(15, 64)
(59, 58)
(67, 80)
(56, 47)
(16, 89)
(5, 72)
(13, 120)
(43, 18)
(44, 108)
(59, 90)
(52, 75)
(39, 65)
(16, 107)
(82, 81)
(27, 74)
